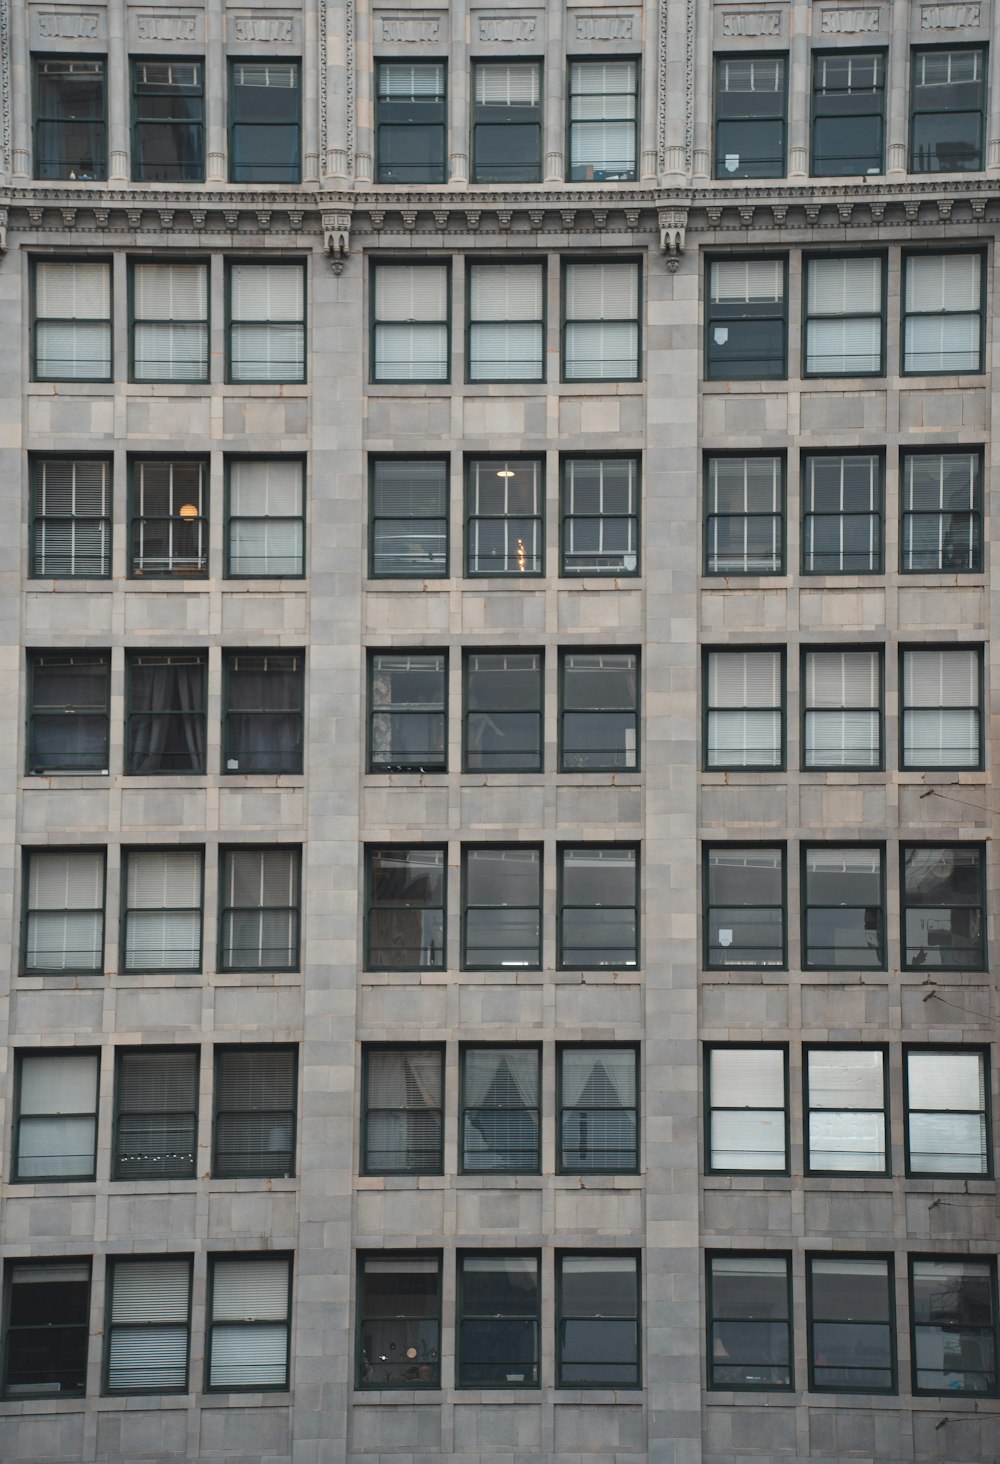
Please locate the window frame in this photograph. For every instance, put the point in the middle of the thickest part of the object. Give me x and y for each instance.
(808, 844)
(34, 768)
(710, 846)
(978, 649)
(888, 1259)
(123, 1051)
(133, 658)
(214, 1257)
(133, 517)
(363, 1385)
(807, 457)
(950, 1049)
(229, 518)
(780, 312)
(499, 1253)
(268, 261)
(711, 1108)
(811, 256)
(582, 846)
(565, 517)
(51, 1054)
(721, 174)
(561, 1317)
(224, 853)
(396, 766)
(806, 651)
(229, 655)
(468, 654)
(219, 1051)
(811, 1170)
(137, 261)
(107, 321)
(373, 518)
(423, 262)
(566, 263)
(377, 103)
(562, 1167)
(11, 1264)
(989, 1264)
(974, 450)
(912, 252)
(781, 538)
(232, 62)
(473, 262)
(38, 121)
(464, 1106)
(822, 55)
(739, 649)
(474, 63)
(785, 1257)
(137, 165)
(28, 850)
(915, 52)
(112, 1264)
(564, 652)
(36, 461)
(538, 520)
(980, 847)
(127, 851)
(365, 1108)
(632, 175)
(517, 846)
(373, 847)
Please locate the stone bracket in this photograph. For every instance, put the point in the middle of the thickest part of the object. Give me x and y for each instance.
(673, 223)
(337, 239)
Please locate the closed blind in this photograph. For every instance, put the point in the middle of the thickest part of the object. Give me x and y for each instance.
(841, 1079)
(747, 1077)
(943, 282)
(170, 291)
(265, 487)
(602, 291)
(411, 293)
(844, 286)
(401, 82)
(506, 292)
(73, 291)
(267, 292)
(508, 86)
(747, 281)
(57, 1085)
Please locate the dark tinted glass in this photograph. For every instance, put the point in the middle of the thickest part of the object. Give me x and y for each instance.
(70, 131)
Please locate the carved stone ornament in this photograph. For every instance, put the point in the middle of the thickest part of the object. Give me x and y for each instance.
(673, 223)
(3, 230)
(337, 239)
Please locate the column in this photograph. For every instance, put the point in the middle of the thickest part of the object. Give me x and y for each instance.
(799, 89)
(899, 55)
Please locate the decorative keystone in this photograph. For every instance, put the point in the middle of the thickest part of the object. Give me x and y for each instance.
(472, 217)
(778, 212)
(812, 212)
(198, 218)
(504, 216)
(264, 218)
(409, 218)
(232, 219)
(101, 217)
(295, 219)
(746, 215)
(69, 217)
(441, 218)
(944, 209)
(536, 218)
(134, 216)
(845, 210)
(878, 212)
(568, 218)
(377, 217)
(911, 210)
(35, 216)
(632, 219)
(166, 217)
(978, 206)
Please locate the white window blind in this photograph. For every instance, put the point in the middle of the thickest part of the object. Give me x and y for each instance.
(602, 328)
(941, 708)
(947, 68)
(249, 1337)
(267, 292)
(400, 81)
(602, 291)
(747, 281)
(72, 536)
(842, 709)
(73, 320)
(170, 338)
(946, 1119)
(58, 1108)
(163, 917)
(282, 76)
(265, 517)
(744, 709)
(73, 291)
(267, 333)
(170, 291)
(411, 322)
(148, 1333)
(942, 301)
(508, 86)
(505, 307)
(747, 1128)
(65, 921)
(752, 76)
(603, 97)
(844, 287)
(846, 1104)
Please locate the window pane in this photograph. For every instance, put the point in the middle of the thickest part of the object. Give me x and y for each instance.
(503, 915)
(157, 1114)
(399, 1322)
(598, 1124)
(500, 1118)
(750, 1337)
(408, 713)
(598, 915)
(47, 1330)
(403, 1120)
(599, 728)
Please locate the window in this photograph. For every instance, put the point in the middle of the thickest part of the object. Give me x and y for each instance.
(265, 121)
(750, 117)
(600, 516)
(745, 324)
(942, 528)
(162, 915)
(265, 529)
(947, 1125)
(942, 912)
(55, 1124)
(169, 322)
(254, 1135)
(70, 518)
(851, 1324)
(504, 526)
(70, 119)
(503, 711)
(72, 320)
(156, 1113)
(746, 1093)
(259, 919)
(506, 322)
(848, 121)
(64, 912)
(166, 718)
(599, 711)
(409, 519)
(148, 1325)
(399, 1321)
(942, 313)
(411, 322)
(842, 709)
(47, 1329)
(406, 895)
(598, 1321)
(844, 316)
(267, 331)
(502, 908)
(749, 1321)
(499, 1300)
(249, 1323)
(68, 705)
(942, 709)
(744, 709)
(168, 121)
(263, 713)
(598, 921)
(846, 1122)
(954, 1317)
(603, 108)
(601, 321)
(745, 515)
(744, 907)
(842, 513)
(168, 519)
(411, 122)
(408, 712)
(500, 1110)
(598, 1110)
(843, 920)
(402, 1130)
(947, 98)
(507, 122)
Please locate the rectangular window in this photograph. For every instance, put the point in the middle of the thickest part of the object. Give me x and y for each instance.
(942, 708)
(597, 1321)
(603, 113)
(598, 1110)
(55, 1122)
(407, 712)
(72, 320)
(598, 916)
(47, 1329)
(844, 325)
(745, 515)
(747, 1097)
(842, 513)
(166, 714)
(168, 121)
(254, 1133)
(262, 719)
(169, 322)
(504, 532)
(168, 517)
(749, 1321)
(507, 122)
(399, 1321)
(265, 528)
(746, 321)
(943, 326)
(68, 707)
(265, 121)
(947, 1117)
(600, 516)
(852, 1325)
(249, 1323)
(744, 709)
(750, 104)
(156, 1113)
(64, 912)
(744, 907)
(599, 711)
(499, 1304)
(501, 1110)
(70, 518)
(953, 1310)
(601, 321)
(846, 1120)
(848, 121)
(502, 908)
(71, 119)
(843, 910)
(947, 102)
(267, 322)
(503, 712)
(406, 908)
(842, 709)
(408, 503)
(259, 916)
(162, 914)
(411, 122)
(148, 1325)
(506, 322)
(402, 1127)
(942, 907)
(411, 322)
(942, 528)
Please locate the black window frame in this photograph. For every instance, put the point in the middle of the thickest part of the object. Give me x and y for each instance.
(567, 518)
(225, 962)
(780, 116)
(485, 378)
(285, 323)
(989, 1265)
(233, 461)
(906, 315)
(475, 759)
(563, 1317)
(878, 765)
(525, 172)
(283, 764)
(27, 909)
(577, 172)
(107, 322)
(137, 851)
(878, 111)
(712, 1108)
(439, 567)
(708, 709)
(722, 314)
(238, 170)
(38, 519)
(204, 324)
(811, 257)
(617, 761)
(155, 657)
(975, 513)
(710, 847)
(111, 1327)
(52, 171)
(365, 1166)
(757, 1385)
(808, 1109)
(462, 1316)
(374, 321)
(889, 1325)
(905, 905)
(949, 1049)
(505, 465)
(778, 518)
(563, 1166)
(615, 846)
(882, 929)
(43, 1055)
(200, 520)
(56, 711)
(372, 849)
(414, 1384)
(876, 515)
(216, 1258)
(977, 649)
(466, 1108)
(571, 262)
(177, 1116)
(31, 1396)
(414, 104)
(252, 1053)
(391, 710)
(196, 172)
(916, 53)
(538, 863)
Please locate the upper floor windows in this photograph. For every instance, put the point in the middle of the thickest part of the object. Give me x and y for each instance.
(848, 122)
(72, 320)
(506, 322)
(745, 319)
(601, 326)
(943, 324)
(843, 327)
(750, 116)
(70, 118)
(169, 322)
(947, 103)
(507, 122)
(168, 121)
(265, 121)
(411, 322)
(603, 112)
(267, 331)
(411, 140)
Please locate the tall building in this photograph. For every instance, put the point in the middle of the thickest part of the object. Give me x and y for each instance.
(497, 863)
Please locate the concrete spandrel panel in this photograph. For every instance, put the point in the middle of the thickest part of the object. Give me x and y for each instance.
(973, 1219)
(168, 1008)
(931, 410)
(71, 418)
(850, 1431)
(45, 1437)
(969, 1440)
(969, 1007)
(596, 810)
(831, 609)
(266, 1008)
(735, 807)
(393, 806)
(520, 1007)
(386, 1431)
(39, 1220)
(502, 418)
(751, 1431)
(68, 1013)
(163, 808)
(390, 418)
(589, 414)
(423, 606)
(49, 807)
(598, 1428)
(517, 809)
(853, 1213)
(256, 417)
(247, 1215)
(280, 612)
(397, 1214)
(231, 1432)
(611, 608)
(591, 1005)
(483, 1428)
(824, 412)
(725, 1008)
(839, 806)
(141, 1433)
(157, 1217)
(260, 808)
(175, 419)
(845, 1008)
(968, 805)
(945, 606)
(591, 1213)
(53, 615)
(408, 1005)
(747, 1212)
(166, 617)
(498, 609)
(510, 1213)
(736, 609)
